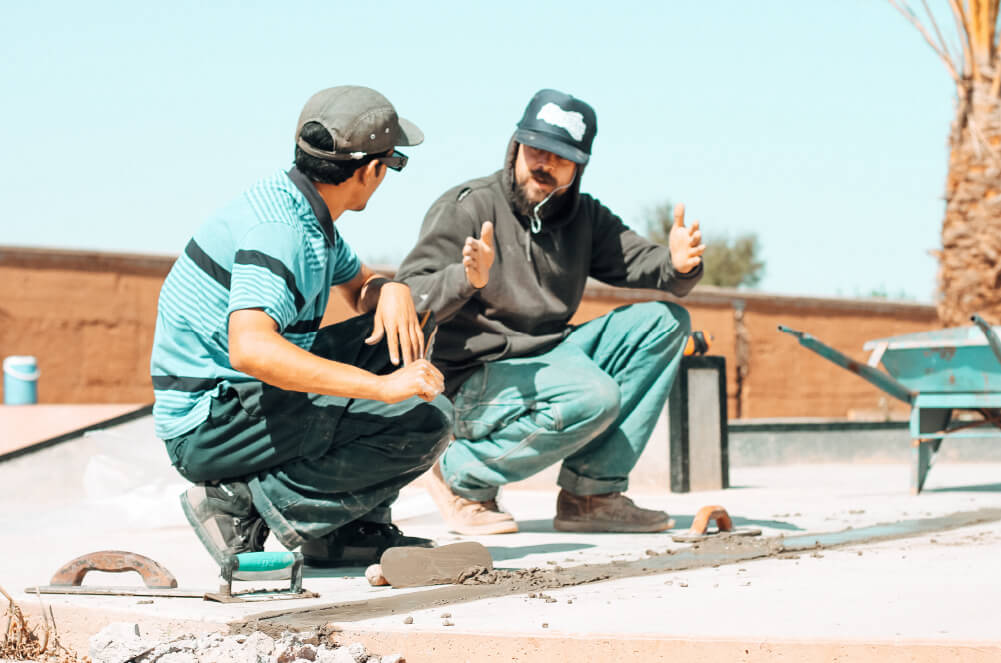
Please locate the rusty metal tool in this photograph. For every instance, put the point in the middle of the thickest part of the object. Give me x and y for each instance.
(699, 531)
(158, 581)
(429, 345)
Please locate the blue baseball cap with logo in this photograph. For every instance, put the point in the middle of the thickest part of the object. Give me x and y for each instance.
(559, 123)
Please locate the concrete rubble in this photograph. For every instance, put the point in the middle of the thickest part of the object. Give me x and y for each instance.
(123, 642)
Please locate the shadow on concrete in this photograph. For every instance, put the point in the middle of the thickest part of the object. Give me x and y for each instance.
(501, 553)
(976, 488)
(333, 572)
(536, 525)
(681, 522)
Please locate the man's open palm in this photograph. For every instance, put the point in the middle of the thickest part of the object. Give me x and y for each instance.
(685, 243)
(478, 256)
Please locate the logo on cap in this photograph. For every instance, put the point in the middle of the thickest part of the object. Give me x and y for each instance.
(570, 121)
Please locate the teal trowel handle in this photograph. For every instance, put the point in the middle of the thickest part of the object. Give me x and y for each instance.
(253, 562)
(264, 566)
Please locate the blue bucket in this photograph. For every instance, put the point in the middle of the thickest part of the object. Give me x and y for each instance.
(20, 380)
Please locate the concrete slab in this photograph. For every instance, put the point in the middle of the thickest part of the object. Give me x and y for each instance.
(25, 425)
(919, 598)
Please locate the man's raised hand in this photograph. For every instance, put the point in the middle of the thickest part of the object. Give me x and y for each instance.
(478, 256)
(685, 243)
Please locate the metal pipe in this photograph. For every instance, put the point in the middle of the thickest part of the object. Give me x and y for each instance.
(992, 337)
(874, 376)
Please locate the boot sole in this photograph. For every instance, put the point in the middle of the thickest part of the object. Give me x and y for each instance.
(417, 567)
(210, 545)
(598, 526)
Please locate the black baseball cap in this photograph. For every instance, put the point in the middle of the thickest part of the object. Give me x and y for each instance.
(360, 122)
(558, 123)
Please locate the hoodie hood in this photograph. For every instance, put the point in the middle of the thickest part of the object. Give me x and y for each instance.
(557, 211)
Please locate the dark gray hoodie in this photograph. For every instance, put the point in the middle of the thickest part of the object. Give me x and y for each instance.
(537, 279)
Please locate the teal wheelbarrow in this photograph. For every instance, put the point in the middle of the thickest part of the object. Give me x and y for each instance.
(937, 373)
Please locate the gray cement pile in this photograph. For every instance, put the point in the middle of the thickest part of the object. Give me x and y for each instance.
(124, 643)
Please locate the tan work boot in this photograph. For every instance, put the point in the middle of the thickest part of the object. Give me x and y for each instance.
(611, 512)
(467, 516)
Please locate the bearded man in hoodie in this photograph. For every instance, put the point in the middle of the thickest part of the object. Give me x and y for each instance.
(502, 261)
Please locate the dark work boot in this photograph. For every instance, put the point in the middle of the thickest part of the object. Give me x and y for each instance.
(224, 518)
(610, 512)
(358, 543)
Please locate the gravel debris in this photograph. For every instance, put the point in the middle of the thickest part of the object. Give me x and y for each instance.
(122, 642)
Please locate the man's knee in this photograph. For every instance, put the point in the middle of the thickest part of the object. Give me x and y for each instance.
(433, 418)
(432, 423)
(663, 316)
(681, 319)
(595, 404)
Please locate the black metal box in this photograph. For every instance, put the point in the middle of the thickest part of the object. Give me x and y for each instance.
(698, 426)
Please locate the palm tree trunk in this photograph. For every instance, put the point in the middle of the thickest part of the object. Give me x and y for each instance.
(969, 276)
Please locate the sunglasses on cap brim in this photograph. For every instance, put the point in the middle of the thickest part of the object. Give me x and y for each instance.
(395, 161)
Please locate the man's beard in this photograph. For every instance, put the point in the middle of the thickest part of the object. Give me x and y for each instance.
(526, 207)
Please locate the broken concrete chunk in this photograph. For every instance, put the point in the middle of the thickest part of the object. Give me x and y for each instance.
(117, 643)
(358, 652)
(414, 567)
(374, 576)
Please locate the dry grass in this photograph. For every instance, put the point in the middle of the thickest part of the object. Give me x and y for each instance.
(22, 641)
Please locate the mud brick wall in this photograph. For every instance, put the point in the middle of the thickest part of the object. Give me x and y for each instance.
(89, 319)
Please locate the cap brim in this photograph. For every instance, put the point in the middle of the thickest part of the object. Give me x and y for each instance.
(550, 144)
(409, 134)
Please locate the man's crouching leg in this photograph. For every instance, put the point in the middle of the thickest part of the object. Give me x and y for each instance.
(640, 347)
(380, 449)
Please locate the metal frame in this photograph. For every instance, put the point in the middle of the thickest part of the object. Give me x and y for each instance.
(931, 419)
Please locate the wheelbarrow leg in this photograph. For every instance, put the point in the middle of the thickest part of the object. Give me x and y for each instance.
(925, 422)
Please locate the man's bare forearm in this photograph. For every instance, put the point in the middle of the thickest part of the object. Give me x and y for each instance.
(256, 349)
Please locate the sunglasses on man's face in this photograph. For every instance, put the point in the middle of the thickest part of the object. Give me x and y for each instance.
(395, 161)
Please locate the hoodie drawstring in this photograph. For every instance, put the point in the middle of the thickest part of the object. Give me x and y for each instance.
(536, 223)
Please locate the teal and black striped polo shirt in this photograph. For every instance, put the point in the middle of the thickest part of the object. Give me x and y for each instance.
(274, 248)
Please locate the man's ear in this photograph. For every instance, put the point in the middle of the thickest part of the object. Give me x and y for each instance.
(368, 170)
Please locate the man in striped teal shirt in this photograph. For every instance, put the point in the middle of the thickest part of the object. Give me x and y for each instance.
(282, 425)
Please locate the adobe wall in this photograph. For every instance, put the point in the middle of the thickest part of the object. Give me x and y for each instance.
(89, 319)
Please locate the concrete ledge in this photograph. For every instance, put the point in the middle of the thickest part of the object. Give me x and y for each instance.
(75, 625)
(28, 428)
(801, 424)
(434, 647)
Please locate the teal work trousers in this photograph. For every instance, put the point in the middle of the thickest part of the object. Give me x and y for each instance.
(591, 403)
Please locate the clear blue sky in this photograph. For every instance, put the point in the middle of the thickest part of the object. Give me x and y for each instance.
(820, 126)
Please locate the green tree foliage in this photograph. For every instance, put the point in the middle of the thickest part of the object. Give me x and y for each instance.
(727, 262)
